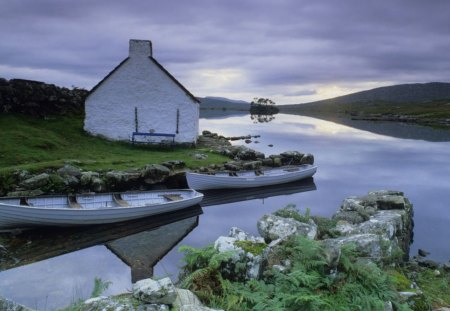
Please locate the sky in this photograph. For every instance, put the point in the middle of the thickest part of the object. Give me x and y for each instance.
(291, 51)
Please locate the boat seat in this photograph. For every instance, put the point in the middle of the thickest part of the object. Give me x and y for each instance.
(172, 197)
(121, 202)
(73, 202)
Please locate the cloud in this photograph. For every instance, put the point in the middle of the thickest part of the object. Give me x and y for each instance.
(276, 47)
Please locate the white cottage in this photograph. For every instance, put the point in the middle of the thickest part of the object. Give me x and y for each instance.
(140, 95)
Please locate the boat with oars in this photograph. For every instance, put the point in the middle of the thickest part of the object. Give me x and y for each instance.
(92, 208)
(249, 179)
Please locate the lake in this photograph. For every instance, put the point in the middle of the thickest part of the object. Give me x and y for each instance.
(350, 162)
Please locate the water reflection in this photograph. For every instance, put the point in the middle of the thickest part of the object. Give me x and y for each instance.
(227, 196)
(350, 162)
(140, 244)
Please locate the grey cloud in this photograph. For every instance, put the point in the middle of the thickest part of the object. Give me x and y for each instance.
(277, 43)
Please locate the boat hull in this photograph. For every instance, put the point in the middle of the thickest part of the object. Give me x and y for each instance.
(274, 176)
(14, 215)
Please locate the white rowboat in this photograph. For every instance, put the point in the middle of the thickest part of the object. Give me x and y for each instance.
(88, 209)
(248, 179)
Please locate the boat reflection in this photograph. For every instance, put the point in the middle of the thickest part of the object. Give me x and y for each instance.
(138, 243)
(225, 196)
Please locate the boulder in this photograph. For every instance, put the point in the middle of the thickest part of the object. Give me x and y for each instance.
(272, 227)
(154, 173)
(86, 178)
(252, 165)
(8, 305)
(368, 245)
(97, 184)
(247, 250)
(37, 181)
(70, 181)
(157, 292)
(307, 159)
(276, 160)
(188, 301)
(232, 166)
(291, 157)
(69, 170)
(386, 213)
(106, 303)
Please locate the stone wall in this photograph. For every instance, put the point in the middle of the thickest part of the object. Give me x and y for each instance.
(39, 99)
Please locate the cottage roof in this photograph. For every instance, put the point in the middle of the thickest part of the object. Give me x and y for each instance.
(158, 65)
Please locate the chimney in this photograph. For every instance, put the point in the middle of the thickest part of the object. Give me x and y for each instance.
(140, 48)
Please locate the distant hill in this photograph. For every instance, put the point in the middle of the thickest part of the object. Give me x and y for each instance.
(425, 104)
(403, 93)
(210, 102)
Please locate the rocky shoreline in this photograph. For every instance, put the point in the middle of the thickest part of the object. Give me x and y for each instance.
(72, 179)
(379, 227)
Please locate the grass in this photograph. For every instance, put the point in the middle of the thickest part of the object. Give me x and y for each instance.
(37, 144)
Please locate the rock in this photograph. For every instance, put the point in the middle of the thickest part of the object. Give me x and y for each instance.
(272, 227)
(387, 199)
(253, 165)
(69, 170)
(291, 157)
(154, 173)
(274, 257)
(352, 217)
(267, 162)
(427, 263)
(388, 306)
(35, 182)
(423, 253)
(21, 175)
(387, 223)
(446, 266)
(86, 178)
(151, 291)
(248, 141)
(368, 245)
(307, 159)
(97, 184)
(270, 145)
(252, 261)
(26, 193)
(188, 301)
(152, 307)
(186, 297)
(276, 160)
(241, 235)
(8, 305)
(70, 181)
(232, 166)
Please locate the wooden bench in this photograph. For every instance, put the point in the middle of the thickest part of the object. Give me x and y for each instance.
(137, 134)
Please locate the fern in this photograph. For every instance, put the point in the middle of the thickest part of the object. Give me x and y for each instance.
(306, 285)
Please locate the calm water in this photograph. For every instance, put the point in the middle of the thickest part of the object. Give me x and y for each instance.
(350, 161)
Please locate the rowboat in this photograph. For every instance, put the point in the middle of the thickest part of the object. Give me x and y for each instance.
(89, 209)
(248, 179)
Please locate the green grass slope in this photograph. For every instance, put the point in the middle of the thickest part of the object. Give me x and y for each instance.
(36, 144)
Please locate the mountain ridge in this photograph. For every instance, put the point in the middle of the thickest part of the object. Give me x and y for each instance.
(400, 93)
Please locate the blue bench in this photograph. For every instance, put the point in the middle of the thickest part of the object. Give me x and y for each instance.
(137, 134)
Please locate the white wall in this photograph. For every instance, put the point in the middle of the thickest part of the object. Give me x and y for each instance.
(139, 82)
